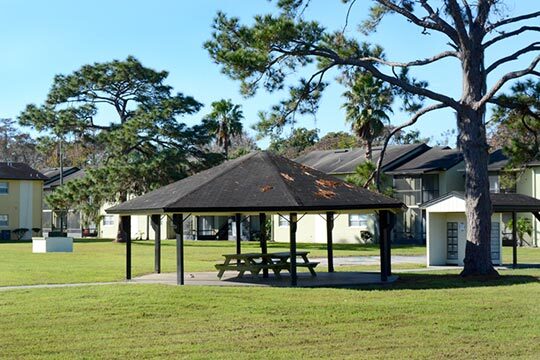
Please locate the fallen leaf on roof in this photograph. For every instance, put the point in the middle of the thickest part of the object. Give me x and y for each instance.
(266, 188)
(309, 174)
(287, 177)
(348, 185)
(327, 183)
(327, 194)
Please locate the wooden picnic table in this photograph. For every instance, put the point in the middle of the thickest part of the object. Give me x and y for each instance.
(255, 262)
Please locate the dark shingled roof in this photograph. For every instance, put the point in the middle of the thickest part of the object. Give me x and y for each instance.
(345, 161)
(19, 171)
(70, 173)
(435, 159)
(501, 202)
(497, 160)
(259, 181)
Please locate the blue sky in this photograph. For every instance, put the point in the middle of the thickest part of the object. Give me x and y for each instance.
(39, 39)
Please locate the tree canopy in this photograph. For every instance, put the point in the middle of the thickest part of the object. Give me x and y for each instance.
(128, 111)
(273, 46)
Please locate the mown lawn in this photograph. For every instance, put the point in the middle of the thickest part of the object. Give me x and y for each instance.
(423, 316)
(103, 260)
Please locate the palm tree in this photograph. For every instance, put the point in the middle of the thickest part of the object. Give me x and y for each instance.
(224, 122)
(368, 100)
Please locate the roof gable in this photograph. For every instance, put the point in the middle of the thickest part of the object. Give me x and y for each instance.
(19, 171)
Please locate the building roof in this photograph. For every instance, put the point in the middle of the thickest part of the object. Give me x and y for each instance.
(345, 161)
(70, 173)
(19, 171)
(500, 202)
(435, 159)
(257, 182)
(497, 160)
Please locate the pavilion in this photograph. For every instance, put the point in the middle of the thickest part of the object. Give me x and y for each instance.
(260, 183)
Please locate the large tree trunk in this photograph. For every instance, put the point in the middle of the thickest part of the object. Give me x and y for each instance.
(477, 199)
(472, 141)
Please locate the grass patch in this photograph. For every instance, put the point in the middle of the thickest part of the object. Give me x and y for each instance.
(422, 316)
(103, 260)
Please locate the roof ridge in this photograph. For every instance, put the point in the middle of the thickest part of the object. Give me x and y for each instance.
(202, 183)
(287, 186)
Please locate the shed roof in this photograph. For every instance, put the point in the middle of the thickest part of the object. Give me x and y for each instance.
(435, 159)
(500, 202)
(19, 171)
(345, 161)
(257, 182)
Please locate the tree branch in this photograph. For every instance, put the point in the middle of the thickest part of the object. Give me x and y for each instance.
(411, 121)
(435, 24)
(503, 80)
(513, 20)
(530, 48)
(419, 62)
(506, 35)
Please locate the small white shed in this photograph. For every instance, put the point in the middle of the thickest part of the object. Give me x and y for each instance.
(446, 225)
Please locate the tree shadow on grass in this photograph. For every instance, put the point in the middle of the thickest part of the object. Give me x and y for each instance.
(425, 281)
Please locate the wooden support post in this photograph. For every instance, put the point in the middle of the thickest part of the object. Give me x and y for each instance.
(292, 228)
(264, 245)
(126, 234)
(178, 225)
(514, 240)
(383, 227)
(238, 223)
(329, 240)
(391, 222)
(156, 225)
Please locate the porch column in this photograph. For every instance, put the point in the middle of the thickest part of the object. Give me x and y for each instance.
(264, 247)
(292, 228)
(156, 226)
(329, 240)
(238, 223)
(383, 244)
(125, 222)
(514, 240)
(178, 225)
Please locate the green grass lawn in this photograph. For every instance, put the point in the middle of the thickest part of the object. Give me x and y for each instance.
(103, 260)
(423, 316)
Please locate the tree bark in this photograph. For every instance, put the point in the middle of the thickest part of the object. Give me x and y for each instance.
(369, 151)
(473, 144)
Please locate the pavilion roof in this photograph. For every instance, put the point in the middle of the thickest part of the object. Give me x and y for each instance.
(257, 182)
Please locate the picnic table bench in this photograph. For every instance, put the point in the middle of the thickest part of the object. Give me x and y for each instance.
(255, 262)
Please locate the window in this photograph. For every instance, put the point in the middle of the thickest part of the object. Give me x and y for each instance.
(430, 187)
(494, 184)
(452, 240)
(108, 220)
(358, 220)
(4, 220)
(408, 189)
(4, 187)
(283, 220)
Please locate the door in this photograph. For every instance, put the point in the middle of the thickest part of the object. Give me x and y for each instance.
(495, 242)
(452, 242)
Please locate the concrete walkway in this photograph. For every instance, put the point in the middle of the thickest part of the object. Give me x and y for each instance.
(372, 260)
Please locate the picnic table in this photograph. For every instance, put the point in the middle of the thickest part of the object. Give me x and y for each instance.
(255, 262)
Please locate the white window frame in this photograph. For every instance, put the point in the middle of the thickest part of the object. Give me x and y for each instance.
(361, 222)
(4, 187)
(6, 224)
(283, 220)
(108, 220)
